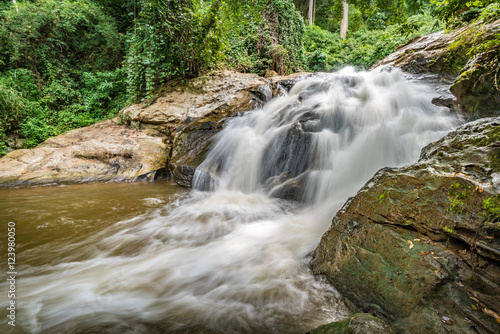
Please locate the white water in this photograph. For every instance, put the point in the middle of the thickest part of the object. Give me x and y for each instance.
(235, 259)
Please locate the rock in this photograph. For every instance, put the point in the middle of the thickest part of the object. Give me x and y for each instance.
(170, 137)
(270, 74)
(421, 243)
(446, 54)
(102, 152)
(360, 323)
(193, 137)
(476, 88)
(420, 53)
(217, 92)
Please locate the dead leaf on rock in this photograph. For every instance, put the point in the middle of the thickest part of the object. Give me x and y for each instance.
(491, 314)
(424, 253)
(483, 308)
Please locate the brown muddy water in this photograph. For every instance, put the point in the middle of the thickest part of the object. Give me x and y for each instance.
(156, 258)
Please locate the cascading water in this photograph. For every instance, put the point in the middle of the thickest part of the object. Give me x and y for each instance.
(235, 258)
(324, 139)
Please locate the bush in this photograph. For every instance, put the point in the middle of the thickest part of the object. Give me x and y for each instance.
(58, 68)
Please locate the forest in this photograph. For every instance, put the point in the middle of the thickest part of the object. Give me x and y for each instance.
(68, 64)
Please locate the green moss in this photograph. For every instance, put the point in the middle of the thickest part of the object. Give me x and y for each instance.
(338, 327)
(456, 199)
(447, 229)
(494, 162)
(382, 196)
(491, 207)
(471, 42)
(490, 136)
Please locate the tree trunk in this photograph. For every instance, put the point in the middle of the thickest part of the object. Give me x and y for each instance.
(344, 22)
(15, 5)
(311, 5)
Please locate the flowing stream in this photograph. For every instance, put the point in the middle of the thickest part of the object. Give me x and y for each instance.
(231, 255)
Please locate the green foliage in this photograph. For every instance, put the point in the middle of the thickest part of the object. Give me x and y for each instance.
(373, 15)
(456, 12)
(183, 38)
(456, 198)
(491, 207)
(362, 48)
(167, 41)
(52, 37)
(58, 68)
(490, 13)
(290, 32)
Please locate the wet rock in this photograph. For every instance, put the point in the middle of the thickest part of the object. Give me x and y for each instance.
(476, 88)
(473, 81)
(360, 323)
(426, 245)
(420, 54)
(281, 156)
(206, 108)
(446, 101)
(102, 152)
(284, 187)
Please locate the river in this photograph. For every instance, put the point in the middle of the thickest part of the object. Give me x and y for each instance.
(232, 254)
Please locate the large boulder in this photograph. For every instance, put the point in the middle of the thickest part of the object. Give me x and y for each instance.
(419, 246)
(102, 152)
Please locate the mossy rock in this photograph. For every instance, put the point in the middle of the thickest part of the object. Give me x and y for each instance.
(360, 323)
(419, 246)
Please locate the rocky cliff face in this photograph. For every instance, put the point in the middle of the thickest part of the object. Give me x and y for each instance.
(167, 138)
(419, 246)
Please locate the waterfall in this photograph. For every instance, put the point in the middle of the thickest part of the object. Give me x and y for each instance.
(232, 256)
(325, 138)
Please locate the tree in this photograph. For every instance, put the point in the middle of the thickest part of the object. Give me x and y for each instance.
(310, 15)
(345, 19)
